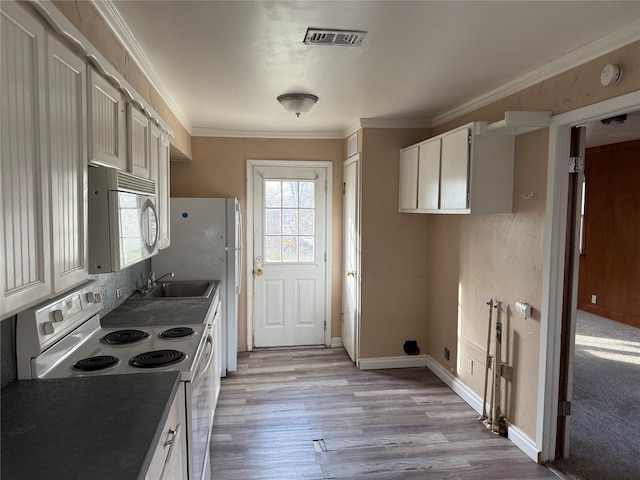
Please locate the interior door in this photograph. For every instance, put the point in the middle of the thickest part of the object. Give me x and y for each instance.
(351, 268)
(289, 264)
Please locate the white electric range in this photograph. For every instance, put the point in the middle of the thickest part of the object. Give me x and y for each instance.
(63, 338)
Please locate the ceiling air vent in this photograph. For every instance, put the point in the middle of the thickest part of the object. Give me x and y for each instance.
(328, 36)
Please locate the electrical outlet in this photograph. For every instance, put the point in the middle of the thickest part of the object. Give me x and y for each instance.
(447, 354)
(118, 293)
(470, 366)
(593, 299)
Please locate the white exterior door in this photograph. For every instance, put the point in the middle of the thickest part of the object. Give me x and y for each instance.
(351, 245)
(289, 255)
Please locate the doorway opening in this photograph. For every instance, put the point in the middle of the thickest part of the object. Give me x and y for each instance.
(602, 364)
(551, 443)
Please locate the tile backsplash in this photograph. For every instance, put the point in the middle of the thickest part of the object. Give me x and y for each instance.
(128, 280)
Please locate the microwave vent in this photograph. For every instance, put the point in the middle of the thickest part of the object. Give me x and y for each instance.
(334, 37)
(133, 183)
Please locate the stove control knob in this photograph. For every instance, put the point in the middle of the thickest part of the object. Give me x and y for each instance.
(98, 298)
(48, 328)
(58, 316)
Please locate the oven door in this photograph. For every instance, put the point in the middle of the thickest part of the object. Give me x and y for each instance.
(199, 412)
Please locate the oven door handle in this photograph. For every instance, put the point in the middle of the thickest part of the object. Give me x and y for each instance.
(209, 341)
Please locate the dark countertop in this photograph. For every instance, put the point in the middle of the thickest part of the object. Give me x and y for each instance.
(158, 312)
(100, 428)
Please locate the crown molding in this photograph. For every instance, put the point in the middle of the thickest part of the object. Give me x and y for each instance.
(582, 55)
(223, 132)
(386, 123)
(595, 49)
(119, 27)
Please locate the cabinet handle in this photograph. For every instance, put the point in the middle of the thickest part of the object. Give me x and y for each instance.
(351, 274)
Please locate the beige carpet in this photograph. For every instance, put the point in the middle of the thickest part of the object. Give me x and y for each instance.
(605, 413)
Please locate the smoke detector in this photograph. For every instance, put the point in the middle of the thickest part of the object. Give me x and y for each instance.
(334, 37)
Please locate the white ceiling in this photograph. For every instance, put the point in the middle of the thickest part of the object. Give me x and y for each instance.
(221, 64)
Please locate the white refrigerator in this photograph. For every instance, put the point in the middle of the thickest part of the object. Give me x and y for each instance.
(206, 244)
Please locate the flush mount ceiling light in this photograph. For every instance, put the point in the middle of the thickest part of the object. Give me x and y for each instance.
(297, 103)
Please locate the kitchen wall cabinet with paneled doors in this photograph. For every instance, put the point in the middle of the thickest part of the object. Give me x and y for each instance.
(123, 137)
(466, 170)
(58, 116)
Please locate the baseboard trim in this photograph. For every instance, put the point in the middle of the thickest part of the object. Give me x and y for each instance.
(523, 442)
(336, 342)
(409, 361)
(515, 435)
(455, 384)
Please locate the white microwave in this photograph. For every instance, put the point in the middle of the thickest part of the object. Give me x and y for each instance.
(123, 222)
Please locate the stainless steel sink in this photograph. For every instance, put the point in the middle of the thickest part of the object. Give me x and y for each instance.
(178, 289)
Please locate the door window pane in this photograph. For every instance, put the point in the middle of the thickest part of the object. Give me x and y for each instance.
(274, 221)
(289, 221)
(273, 249)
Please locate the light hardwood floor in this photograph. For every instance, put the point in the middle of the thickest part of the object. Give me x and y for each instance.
(298, 414)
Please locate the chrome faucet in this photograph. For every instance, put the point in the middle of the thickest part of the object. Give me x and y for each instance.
(152, 280)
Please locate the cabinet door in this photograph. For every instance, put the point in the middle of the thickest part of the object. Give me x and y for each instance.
(159, 163)
(429, 175)
(138, 125)
(454, 185)
(107, 123)
(169, 460)
(24, 223)
(67, 89)
(408, 198)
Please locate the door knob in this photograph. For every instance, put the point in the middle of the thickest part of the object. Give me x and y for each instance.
(258, 272)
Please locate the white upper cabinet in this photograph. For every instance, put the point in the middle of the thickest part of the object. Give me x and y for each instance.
(429, 175)
(107, 117)
(67, 89)
(454, 183)
(408, 198)
(138, 135)
(420, 177)
(159, 163)
(466, 170)
(26, 261)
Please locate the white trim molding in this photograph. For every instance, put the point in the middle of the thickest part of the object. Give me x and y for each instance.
(379, 363)
(110, 14)
(222, 132)
(595, 49)
(514, 434)
(83, 47)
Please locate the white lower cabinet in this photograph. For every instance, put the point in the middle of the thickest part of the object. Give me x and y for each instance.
(169, 462)
(43, 164)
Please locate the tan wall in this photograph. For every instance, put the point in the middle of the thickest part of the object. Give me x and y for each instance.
(218, 169)
(85, 17)
(394, 250)
(474, 258)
